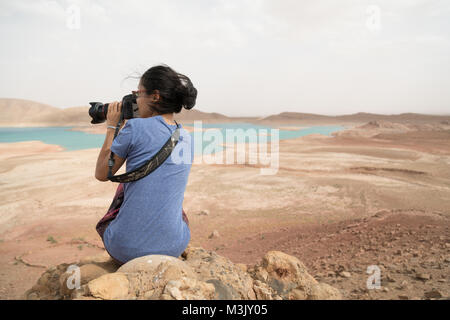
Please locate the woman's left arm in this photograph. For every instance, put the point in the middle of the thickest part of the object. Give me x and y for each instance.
(112, 118)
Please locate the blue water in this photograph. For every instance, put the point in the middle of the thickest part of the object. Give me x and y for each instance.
(77, 140)
(70, 140)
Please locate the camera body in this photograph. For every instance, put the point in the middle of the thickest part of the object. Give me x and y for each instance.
(98, 110)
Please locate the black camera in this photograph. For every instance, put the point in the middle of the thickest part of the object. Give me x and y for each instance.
(98, 110)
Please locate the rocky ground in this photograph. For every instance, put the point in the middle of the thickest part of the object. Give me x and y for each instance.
(377, 195)
(411, 250)
(198, 274)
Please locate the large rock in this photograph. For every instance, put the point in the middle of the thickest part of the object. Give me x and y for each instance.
(230, 281)
(288, 278)
(53, 282)
(87, 273)
(197, 274)
(109, 286)
(151, 262)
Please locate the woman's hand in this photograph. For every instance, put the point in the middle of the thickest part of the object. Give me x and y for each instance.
(113, 115)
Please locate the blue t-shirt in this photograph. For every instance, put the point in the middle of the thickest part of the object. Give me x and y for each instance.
(150, 217)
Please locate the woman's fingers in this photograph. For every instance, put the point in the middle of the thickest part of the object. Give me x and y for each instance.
(115, 106)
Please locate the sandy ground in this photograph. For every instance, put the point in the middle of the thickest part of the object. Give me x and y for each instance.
(338, 203)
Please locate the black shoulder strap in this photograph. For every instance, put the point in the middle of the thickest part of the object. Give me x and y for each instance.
(151, 165)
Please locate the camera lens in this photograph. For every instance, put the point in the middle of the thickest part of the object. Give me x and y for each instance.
(98, 112)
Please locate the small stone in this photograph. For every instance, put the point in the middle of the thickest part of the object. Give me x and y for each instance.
(242, 266)
(345, 274)
(385, 289)
(214, 234)
(389, 278)
(423, 276)
(433, 294)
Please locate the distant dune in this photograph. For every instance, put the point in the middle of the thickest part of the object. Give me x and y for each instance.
(360, 117)
(26, 113)
(23, 113)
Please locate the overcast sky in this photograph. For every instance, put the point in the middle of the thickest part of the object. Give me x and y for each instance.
(246, 58)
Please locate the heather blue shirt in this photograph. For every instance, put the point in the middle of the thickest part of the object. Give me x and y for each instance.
(150, 218)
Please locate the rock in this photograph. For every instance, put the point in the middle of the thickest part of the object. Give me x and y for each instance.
(261, 274)
(403, 285)
(345, 274)
(390, 278)
(242, 266)
(48, 285)
(323, 291)
(214, 234)
(263, 291)
(188, 289)
(433, 294)
(151, 263)
(109, 286)
(197, 274)
(286, 273)
(230, 281)
(423, 276)
(87, 273)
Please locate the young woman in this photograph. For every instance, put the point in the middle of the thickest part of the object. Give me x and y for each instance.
(151, 219)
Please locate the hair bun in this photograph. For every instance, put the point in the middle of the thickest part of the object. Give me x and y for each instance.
(188, 94)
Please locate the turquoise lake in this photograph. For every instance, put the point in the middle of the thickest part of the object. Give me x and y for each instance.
(76, 140)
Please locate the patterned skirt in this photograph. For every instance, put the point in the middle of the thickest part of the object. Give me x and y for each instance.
(113, 211)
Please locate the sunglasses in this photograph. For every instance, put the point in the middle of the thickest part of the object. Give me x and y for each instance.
(138, 93)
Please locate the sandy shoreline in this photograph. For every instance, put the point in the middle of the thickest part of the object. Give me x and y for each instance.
(51, 201)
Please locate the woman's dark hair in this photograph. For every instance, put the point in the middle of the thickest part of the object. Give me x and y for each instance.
(176, 91)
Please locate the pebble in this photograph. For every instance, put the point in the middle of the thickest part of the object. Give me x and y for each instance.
(423, 276)
(389, 278)
(345, 274)
(433, 294)
(214, 234)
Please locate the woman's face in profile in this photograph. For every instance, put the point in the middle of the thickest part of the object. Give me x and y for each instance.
(145, 102)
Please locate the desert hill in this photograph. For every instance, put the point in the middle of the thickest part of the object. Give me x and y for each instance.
(22, 113)
(360, 117)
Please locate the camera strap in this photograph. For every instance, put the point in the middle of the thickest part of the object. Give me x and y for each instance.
(151, 165)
